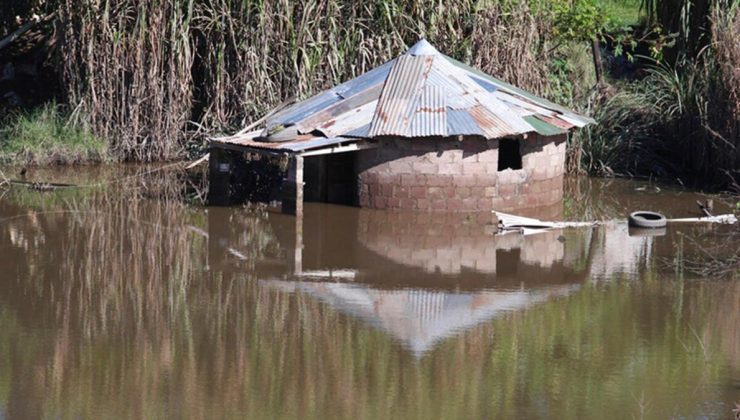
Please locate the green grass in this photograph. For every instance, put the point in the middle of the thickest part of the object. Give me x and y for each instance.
(44, 136)
(621, 12)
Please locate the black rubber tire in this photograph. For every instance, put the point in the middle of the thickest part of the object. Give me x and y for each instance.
(646, 220)
(646, 232)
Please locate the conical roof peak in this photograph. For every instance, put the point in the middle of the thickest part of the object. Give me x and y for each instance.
(423, 47)
(421, 93)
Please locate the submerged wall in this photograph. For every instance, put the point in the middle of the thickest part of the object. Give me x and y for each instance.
(451, 175)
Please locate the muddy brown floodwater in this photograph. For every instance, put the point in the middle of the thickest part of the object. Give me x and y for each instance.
(118, 303)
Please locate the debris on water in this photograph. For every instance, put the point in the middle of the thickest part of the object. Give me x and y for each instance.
(637, 232)
(706, 208)
(508, 223)
(727, 219)
(40, 185)
(649, 188)
(526, 225)
(646, 219)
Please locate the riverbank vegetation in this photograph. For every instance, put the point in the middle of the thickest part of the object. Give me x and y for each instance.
(681, 118)
(44, 136)
(154, 79)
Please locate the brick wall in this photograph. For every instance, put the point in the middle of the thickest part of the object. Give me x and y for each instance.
(451, 175)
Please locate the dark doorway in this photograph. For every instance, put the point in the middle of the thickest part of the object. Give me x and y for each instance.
(509, 154)
(330, 178)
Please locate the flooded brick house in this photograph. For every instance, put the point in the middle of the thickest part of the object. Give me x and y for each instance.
(421, 132)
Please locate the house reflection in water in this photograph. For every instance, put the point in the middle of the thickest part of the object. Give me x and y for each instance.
(419, 318)
(424, 277)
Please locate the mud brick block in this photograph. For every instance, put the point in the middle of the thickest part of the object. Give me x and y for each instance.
(485, 204)
(439, 204)
(425, 167)
(450, 168)
(506, 190)
(465, 181)
(401, 166)
(435, 192)
(488, 156)
(438, 180)
(408, 203)
(455, 204)
(401, 191)
(409, 180)
(374, 189)
(386, 190)
(419, 192)
(470, 168)
(379, 202)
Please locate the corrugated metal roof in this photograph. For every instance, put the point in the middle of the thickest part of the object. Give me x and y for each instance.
(359, 132)
(301, 110)
(365, 81)
(544, 128)
(501, 85)
(430, 118)
(457, 97)
(300, 143)
(421, 93)
(488, 100)
(397, 101)
(334, 111)
(460, 121)
(491, 124)
(323, 100)
(349, 121)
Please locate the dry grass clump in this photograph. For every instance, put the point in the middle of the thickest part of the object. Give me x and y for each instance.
(127, 69)
(140, 71)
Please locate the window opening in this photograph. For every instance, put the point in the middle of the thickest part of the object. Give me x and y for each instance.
(509, 154)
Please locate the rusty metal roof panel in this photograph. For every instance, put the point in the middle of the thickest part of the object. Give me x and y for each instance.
(421, 93)
(494, 107)
(430, 118)
(348, 121)
(331, 113)
(460, 122)
(396, 105)
(476, 74)
(491, 124)
(332, 97)
(457, 96)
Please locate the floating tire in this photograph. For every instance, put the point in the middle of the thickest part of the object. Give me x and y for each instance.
(646, 232)
(646, 220)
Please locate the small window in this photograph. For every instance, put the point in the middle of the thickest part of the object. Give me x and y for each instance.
(509, 154)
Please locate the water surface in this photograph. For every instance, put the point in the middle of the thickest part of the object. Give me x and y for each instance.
(117, 303)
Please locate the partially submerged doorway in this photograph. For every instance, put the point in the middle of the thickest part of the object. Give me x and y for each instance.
(330, 179)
